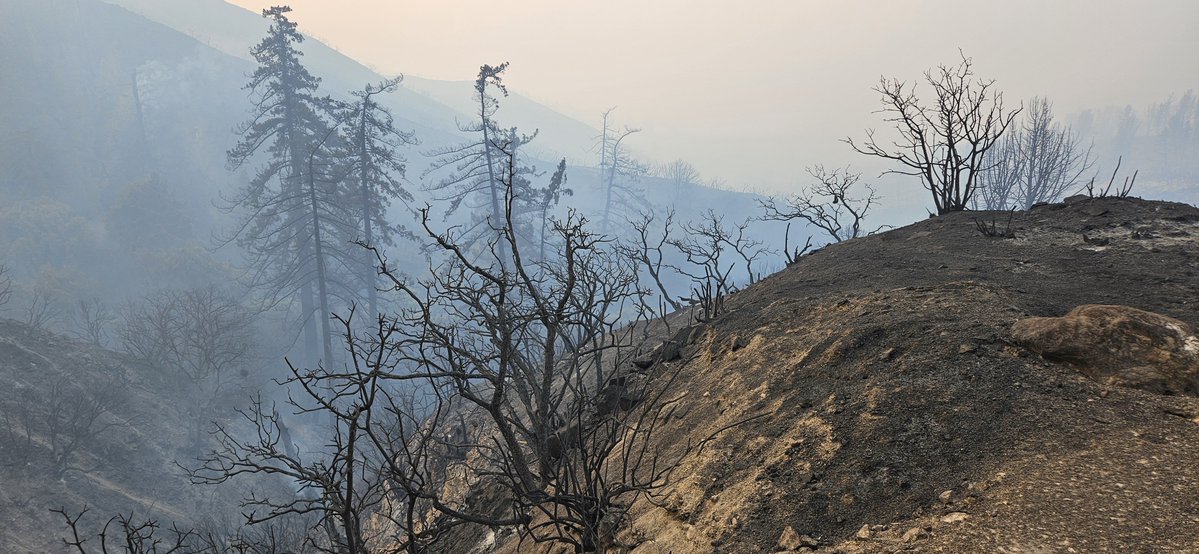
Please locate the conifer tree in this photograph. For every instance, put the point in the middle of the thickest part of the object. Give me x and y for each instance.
(286, 209)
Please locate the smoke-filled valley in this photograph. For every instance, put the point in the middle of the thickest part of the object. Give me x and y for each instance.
(258, 297)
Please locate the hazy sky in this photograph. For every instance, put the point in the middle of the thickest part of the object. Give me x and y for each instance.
(752, 91)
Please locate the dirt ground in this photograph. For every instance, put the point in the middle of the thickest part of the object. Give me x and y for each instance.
(899, 417)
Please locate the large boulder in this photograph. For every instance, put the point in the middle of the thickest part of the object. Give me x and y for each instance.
(1118, 345)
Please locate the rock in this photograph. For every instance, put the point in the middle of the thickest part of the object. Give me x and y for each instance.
(670, 349)
(808, 541)
(790, 540)
(864, 533)
(945, 497)
(914, 534)
(1118, 345)
(967, 348)
(955, 517)
(887, 355)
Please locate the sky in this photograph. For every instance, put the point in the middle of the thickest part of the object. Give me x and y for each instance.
(751, 92)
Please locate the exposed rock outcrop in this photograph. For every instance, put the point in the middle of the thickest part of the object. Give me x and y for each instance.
(1118, 345)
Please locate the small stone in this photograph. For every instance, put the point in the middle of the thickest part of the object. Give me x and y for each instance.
(864, 533)
(790, 540)
(914, 534)
(887, 355)
(967, 348)
(945, 497)
(955, 517)
(808, 541)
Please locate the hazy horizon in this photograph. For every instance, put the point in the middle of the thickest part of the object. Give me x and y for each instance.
(752, 95)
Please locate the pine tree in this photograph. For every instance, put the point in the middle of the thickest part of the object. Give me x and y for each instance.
(292, 207)
(376, 166)
(479, 169)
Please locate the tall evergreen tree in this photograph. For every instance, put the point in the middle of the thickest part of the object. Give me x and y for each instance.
(480, 168)
(376, 166)
(286, 205)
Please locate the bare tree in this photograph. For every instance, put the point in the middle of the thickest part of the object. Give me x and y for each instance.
(42, 311)
(384, 459)
(647, 248)
(201, 335)
(944, 142)
(1039, 161)
(555, 345)
(707, 247)
(829, 204)
(92, 319)
(72, 415)
(540, 354)
(473, 167)
(5, 286)
(680, 174)
(372, 151)
(131, 535)
(619, 172)
(548, 197)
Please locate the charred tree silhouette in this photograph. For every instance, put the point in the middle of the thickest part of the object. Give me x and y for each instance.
(5, 286)
(647, 248)
(92, 319)
(829, 205)
(680, 174)
(712, 251)
(546, 199)
(943, 142)
(539, 353)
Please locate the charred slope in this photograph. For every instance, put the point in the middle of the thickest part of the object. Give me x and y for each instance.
(85, 427)
(899, 415)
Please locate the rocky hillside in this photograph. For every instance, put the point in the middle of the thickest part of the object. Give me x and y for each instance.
(900, 413)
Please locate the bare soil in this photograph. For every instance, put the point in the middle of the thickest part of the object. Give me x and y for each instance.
(898, 416)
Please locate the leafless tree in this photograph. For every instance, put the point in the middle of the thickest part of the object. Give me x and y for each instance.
(20, 424)
(472, 168)
(1038, 161)
(829, 204)
(542, 354)
(546, 198)
(5, 286)
(944, 142)
(72, 415)
(680, 174)
(92, 319)
(619, 172)
(131, 536)
(201, 335)
(707, 247)
(385, 457)
(647, 248)
(42, 311)
(712, 257)
(377, 165)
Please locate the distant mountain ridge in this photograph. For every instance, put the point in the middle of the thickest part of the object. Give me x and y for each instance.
(428, 102)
